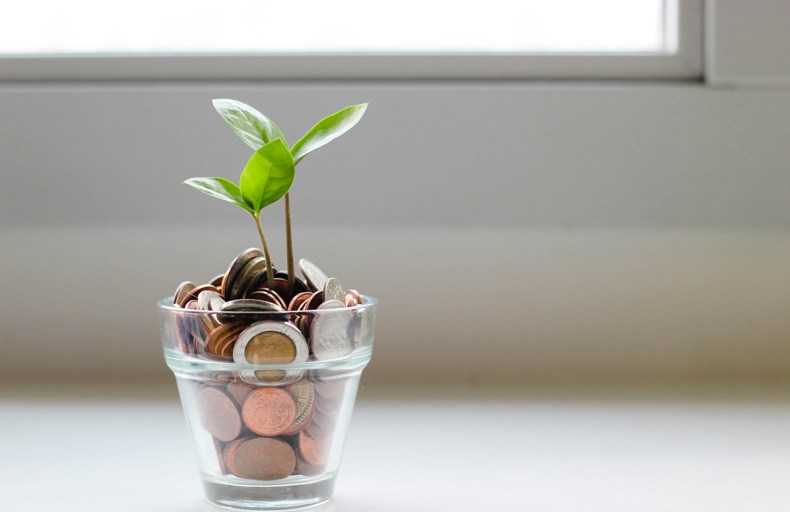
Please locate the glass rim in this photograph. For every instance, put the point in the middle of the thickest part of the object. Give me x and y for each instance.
(166, 304)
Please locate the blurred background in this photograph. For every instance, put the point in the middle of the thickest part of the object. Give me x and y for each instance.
(548, 192)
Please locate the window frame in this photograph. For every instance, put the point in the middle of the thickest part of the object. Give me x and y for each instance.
(686, 63)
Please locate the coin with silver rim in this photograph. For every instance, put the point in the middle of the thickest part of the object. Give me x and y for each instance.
(302, 351)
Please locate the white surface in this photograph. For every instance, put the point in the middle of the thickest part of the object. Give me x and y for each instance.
(679, 451)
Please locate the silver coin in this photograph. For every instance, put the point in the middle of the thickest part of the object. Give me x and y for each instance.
(205, 297)
(331, 334)
(235, 267)
(333, 290)
(216, 303)
(204, 303)
(315, 277)
(286, 328)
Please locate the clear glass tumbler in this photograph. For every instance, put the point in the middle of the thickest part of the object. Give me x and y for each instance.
(268, 436)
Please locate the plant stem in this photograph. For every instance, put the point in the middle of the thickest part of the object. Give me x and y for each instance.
(290, 246)
(269, 269)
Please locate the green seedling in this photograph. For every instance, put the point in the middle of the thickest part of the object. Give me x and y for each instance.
(270, 171)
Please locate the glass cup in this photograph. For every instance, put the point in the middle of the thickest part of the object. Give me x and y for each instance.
(268, 397)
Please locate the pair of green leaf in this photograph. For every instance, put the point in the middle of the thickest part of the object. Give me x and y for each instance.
(269, 173)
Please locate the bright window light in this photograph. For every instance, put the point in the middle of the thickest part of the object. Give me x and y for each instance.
(53, 27)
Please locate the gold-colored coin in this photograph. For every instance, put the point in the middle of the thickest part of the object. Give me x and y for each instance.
(270, 347)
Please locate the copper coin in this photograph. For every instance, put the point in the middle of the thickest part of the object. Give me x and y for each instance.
(229, 452)
(299, 284)
(304, 395)
(193, 294)
(182, 291)
(315, 300)
(261, 458)
(312, 304)
(198, 325)
(307, 469)
(352, 298)
(314, 450)
(281, 287)
(269, 411)
(227, 343)
(218, 414)
(235, 267)
(216, 281)
(232, 446)
(268, 295)
(298, 300)
(304, 319)
(180, 324)
(240, 390)
(219, 337)
(315, 276)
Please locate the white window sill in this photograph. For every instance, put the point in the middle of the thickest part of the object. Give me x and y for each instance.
(682, 450)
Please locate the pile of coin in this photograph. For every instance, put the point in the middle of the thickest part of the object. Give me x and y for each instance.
(268, 424)
(266, 432)
(269, 338)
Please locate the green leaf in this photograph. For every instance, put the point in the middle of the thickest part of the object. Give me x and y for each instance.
(268, 175)
(254, 128)
(221, 189)
(327, 130)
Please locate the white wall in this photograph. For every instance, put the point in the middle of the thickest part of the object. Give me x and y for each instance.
(513, 231)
